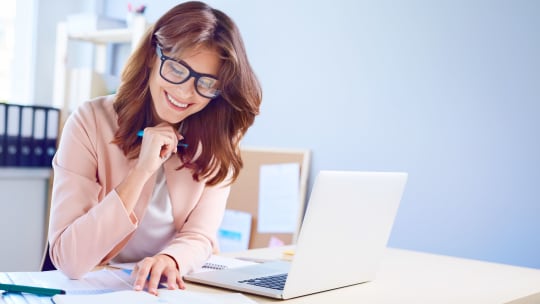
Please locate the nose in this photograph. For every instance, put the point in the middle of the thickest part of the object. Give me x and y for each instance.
(186, 89)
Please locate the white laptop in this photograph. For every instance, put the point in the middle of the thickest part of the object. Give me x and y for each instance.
(344, 233)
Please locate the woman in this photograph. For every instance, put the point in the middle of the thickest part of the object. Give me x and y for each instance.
(124, 189)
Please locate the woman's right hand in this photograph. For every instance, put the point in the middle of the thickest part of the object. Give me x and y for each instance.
(158, 144)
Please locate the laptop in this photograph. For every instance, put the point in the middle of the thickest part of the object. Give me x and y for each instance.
(344, 233)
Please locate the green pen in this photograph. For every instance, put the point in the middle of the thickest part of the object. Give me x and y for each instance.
(31, 289)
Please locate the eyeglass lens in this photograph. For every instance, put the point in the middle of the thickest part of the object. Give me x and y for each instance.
(177, 73)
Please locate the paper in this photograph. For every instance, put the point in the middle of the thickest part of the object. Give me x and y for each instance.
(216, 262)
(234, 232)
(95, 282)
(279, 187)
(111, 286)
(164, 296)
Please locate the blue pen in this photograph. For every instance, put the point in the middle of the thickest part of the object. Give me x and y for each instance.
(183, 145)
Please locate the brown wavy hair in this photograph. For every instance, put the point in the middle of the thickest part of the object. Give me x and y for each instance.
(214, 133)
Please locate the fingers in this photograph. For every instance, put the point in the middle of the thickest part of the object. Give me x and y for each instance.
(150, 271)
(180, 282)
(158, 144)
(140, 272)
(155, 277)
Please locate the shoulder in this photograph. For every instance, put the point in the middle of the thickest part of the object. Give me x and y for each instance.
(98, 111)
(94, 117)
(100, 108)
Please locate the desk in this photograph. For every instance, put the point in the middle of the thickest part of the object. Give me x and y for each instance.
(414, 277)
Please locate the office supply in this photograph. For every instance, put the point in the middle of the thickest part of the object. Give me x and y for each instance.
(244, 195)
(217, 262)
(279, 187)
(96, 282)
(254, 260)
(31, 289)
(3, 128)
(39, 145)
(182, 145)
(28, 135)
(234, 231)
(164, 296)
(12, 135)
(51, 134)
(347, 224)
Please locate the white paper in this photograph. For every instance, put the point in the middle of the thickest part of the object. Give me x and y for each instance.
(234, 232)
(279, 187)
(164, 296)
(95, 282)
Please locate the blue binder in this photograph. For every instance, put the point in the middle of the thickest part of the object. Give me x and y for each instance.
(3, 127)
(12, 140)
(28, 135)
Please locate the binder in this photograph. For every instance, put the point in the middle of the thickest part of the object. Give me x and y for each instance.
(3, 127)
(26, 138)
(39, 146)
(13, 138)
(28, 135)
(51, 135)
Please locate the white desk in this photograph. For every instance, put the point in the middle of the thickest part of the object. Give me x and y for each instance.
(415, 277)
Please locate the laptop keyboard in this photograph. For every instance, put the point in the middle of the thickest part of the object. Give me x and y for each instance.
(274, 281)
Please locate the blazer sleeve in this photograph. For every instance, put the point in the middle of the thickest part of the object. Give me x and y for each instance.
(85, 223)
(197, 239)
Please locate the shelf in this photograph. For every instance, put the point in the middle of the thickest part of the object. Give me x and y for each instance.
(26, 173)
(122, 35)
(69, 90)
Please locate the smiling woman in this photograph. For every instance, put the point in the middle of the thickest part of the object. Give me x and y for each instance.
(123, 195)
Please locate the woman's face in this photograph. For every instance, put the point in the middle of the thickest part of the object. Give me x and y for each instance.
(174, 102)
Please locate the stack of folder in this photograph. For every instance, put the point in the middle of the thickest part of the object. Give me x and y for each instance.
(28, 135)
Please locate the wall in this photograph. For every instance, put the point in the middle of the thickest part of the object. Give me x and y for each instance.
(35, 39)
(445, 90)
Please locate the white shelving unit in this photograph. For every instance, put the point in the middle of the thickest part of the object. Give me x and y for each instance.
(64, 85)
(23, 217)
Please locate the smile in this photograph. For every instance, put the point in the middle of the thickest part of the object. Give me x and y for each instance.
(175, 102)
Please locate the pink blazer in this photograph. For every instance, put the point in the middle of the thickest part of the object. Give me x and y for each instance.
(88, 223)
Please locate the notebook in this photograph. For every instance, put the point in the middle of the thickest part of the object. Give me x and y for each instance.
(343, 236)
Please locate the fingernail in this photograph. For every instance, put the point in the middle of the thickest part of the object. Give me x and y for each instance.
(137, 287)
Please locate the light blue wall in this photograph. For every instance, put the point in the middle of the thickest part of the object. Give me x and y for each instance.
(448, 91)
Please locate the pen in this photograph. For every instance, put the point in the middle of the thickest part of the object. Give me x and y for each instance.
(255, 260)
(31, 289)
(141, 133)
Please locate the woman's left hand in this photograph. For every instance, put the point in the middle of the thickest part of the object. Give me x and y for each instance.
(150, 270)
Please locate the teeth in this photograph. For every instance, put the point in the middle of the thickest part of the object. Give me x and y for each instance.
(176, 103)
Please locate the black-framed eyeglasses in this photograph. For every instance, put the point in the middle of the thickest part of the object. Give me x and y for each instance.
(177, 72)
